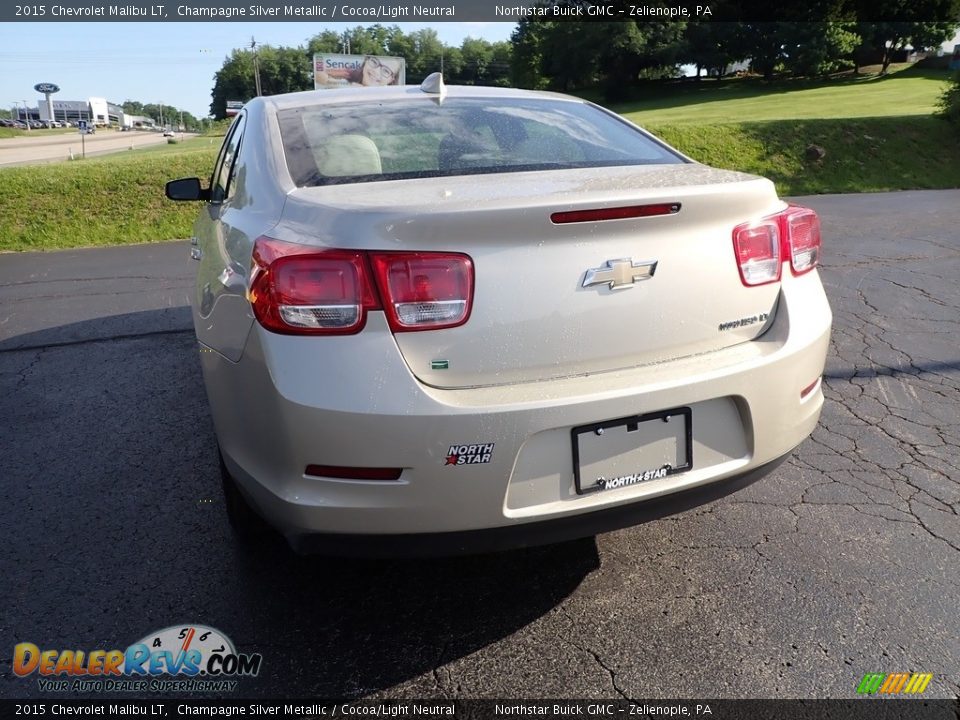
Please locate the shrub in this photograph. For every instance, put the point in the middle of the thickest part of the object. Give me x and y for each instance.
(949, 103)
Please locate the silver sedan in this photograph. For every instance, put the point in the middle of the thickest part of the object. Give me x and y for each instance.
(447, 319)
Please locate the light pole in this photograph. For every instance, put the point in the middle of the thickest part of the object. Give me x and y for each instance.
(26, 114)
(256, 65)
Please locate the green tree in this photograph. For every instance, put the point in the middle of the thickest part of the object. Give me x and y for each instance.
(528, 41)
(888, 26)
(326, 42)
(885, 39)
(713, 46)
(477, 54)
(282, 70)
(821, 48)
(568, 55)
(949, 104)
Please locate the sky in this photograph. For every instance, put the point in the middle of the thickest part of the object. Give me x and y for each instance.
(169, 63)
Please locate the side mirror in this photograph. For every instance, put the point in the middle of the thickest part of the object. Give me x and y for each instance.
(186, 189)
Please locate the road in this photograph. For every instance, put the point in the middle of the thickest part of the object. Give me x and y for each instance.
(43, 148)
(845, 561)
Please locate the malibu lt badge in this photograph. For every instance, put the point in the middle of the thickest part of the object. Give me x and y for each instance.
(620, 273)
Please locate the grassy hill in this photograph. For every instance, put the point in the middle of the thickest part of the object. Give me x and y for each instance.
(907, 91)
(878, 132)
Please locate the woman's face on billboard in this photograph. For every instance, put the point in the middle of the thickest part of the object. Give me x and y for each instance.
(378, 72)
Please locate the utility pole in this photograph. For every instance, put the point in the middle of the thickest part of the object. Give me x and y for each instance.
(256, 65)
(26, 114)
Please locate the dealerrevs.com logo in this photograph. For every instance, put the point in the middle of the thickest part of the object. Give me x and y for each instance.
(180, 658)
(894, 683)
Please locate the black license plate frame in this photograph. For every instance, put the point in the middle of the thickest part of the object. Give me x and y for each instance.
(634, 422)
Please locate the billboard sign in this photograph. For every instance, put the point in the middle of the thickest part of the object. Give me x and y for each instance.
(331, 70)
(234, 107)
(46, 88)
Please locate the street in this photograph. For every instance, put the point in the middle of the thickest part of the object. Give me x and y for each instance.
(30, 149)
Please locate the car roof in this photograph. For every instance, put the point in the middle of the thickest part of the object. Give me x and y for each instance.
(402, 92)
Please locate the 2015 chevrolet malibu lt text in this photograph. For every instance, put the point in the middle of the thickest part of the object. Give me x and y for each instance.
(445, 319)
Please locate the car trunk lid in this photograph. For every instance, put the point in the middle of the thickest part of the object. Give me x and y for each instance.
(676, 287)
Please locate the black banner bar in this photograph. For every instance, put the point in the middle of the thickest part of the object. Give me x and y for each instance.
(873, 708)
(368, 12)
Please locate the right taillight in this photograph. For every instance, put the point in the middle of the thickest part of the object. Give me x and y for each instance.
(300, 289)
(424, 291)
(802, 238)
(761, 247)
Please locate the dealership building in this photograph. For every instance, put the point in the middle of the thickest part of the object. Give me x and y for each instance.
(94, 109)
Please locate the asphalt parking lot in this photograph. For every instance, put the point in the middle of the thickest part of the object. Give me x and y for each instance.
(845, 561)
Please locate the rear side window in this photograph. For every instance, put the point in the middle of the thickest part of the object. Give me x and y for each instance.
(223, 172)
(367, 142)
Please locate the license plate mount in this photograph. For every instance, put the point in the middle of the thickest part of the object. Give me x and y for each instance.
(632, 450)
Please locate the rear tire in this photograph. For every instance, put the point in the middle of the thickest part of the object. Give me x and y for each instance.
(246, 523)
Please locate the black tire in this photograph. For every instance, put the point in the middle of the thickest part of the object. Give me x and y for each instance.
(246, 523)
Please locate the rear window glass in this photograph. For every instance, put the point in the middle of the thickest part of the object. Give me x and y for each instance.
(367, 142)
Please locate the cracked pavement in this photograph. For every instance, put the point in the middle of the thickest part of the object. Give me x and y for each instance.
(846, 560)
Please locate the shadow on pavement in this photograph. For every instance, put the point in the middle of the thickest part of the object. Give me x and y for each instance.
(113, 506)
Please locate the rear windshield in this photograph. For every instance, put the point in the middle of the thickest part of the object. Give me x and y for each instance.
(367, 142)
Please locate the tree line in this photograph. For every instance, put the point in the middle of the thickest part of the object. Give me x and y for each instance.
(287, 69)
(164, 115)
(617, 56)
(570, 55)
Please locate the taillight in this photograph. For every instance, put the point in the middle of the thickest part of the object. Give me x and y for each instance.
(304, 290)
(760, 247)
(757, 246)
(803, 238)
(424, 291)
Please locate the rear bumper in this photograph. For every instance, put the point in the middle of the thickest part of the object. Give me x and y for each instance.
(523, 535)
(291, 402)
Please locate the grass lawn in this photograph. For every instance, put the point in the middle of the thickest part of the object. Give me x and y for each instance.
(110, 200)
(911, 91)
(878, 134)
(862, 155)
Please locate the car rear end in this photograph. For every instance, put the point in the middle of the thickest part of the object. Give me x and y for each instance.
(506, 352)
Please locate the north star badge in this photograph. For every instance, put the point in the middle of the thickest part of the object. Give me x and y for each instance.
(469, 454)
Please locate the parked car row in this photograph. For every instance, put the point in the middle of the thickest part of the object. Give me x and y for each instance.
(34, 124)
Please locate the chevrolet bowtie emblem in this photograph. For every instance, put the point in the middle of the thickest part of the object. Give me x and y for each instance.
(620, 273)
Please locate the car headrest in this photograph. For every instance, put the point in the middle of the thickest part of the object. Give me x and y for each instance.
(347, 155)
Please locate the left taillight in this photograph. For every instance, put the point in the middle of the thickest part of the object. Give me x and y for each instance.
(301, 290)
